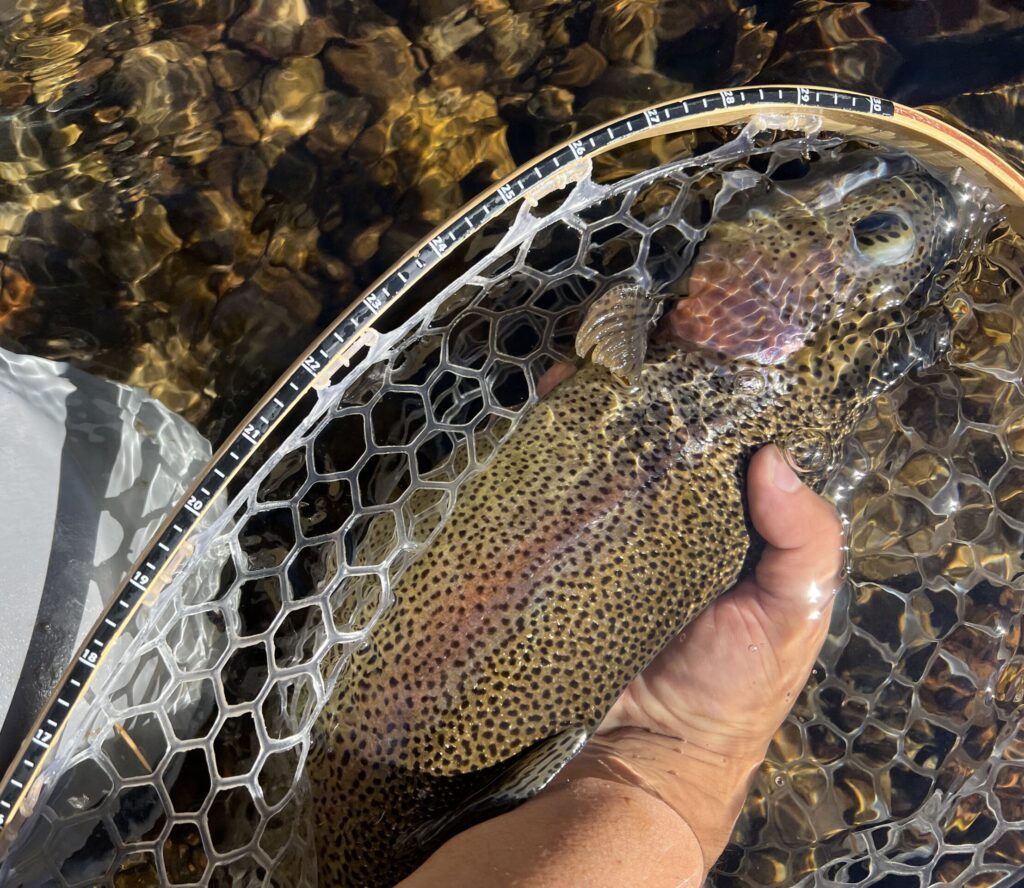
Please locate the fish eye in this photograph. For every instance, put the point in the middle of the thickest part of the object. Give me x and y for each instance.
(885, 237)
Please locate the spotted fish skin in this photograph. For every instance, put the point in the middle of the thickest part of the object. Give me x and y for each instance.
(608, 520)
(809, 262)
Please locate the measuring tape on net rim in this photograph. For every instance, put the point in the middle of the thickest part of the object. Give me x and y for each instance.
(854, 114)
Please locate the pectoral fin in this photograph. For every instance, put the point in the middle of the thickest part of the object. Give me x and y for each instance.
(505, 785)
(615, 330)
(532, 770)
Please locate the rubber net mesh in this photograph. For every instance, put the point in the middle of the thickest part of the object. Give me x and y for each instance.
(902, 760)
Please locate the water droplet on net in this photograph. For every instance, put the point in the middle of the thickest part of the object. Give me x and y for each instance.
(807, 451)
(749, 381)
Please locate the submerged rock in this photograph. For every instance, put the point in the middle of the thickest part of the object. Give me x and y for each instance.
(291, 99)
(406, 117)
(271, 27)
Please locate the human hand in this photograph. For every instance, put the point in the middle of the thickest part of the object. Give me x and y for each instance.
(694, 726)
(652, 799)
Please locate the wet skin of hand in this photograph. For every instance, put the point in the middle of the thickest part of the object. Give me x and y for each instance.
(654, 796)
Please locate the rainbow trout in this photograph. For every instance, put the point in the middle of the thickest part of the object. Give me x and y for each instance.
(614, 513)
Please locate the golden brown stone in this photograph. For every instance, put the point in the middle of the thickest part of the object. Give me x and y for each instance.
(271, 27)
(291, 99)
(15, 295)
(230, 68)
(624, 31)
(240, 128)
(449, 33)
(378, 64)
(579, 66)
(342, 120)
(13, 90)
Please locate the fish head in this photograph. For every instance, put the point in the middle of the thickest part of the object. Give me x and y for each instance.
(847, 247)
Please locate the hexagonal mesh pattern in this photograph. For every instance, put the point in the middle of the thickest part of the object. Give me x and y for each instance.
(183, 764)
(902, 763)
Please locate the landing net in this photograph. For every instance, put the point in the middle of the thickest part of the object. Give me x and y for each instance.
(184, 763)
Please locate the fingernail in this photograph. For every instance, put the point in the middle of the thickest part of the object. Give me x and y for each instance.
(783, 476)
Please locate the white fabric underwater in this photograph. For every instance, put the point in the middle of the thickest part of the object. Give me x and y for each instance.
(88, 469)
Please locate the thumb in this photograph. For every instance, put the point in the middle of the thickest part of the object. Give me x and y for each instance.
(799, 570)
